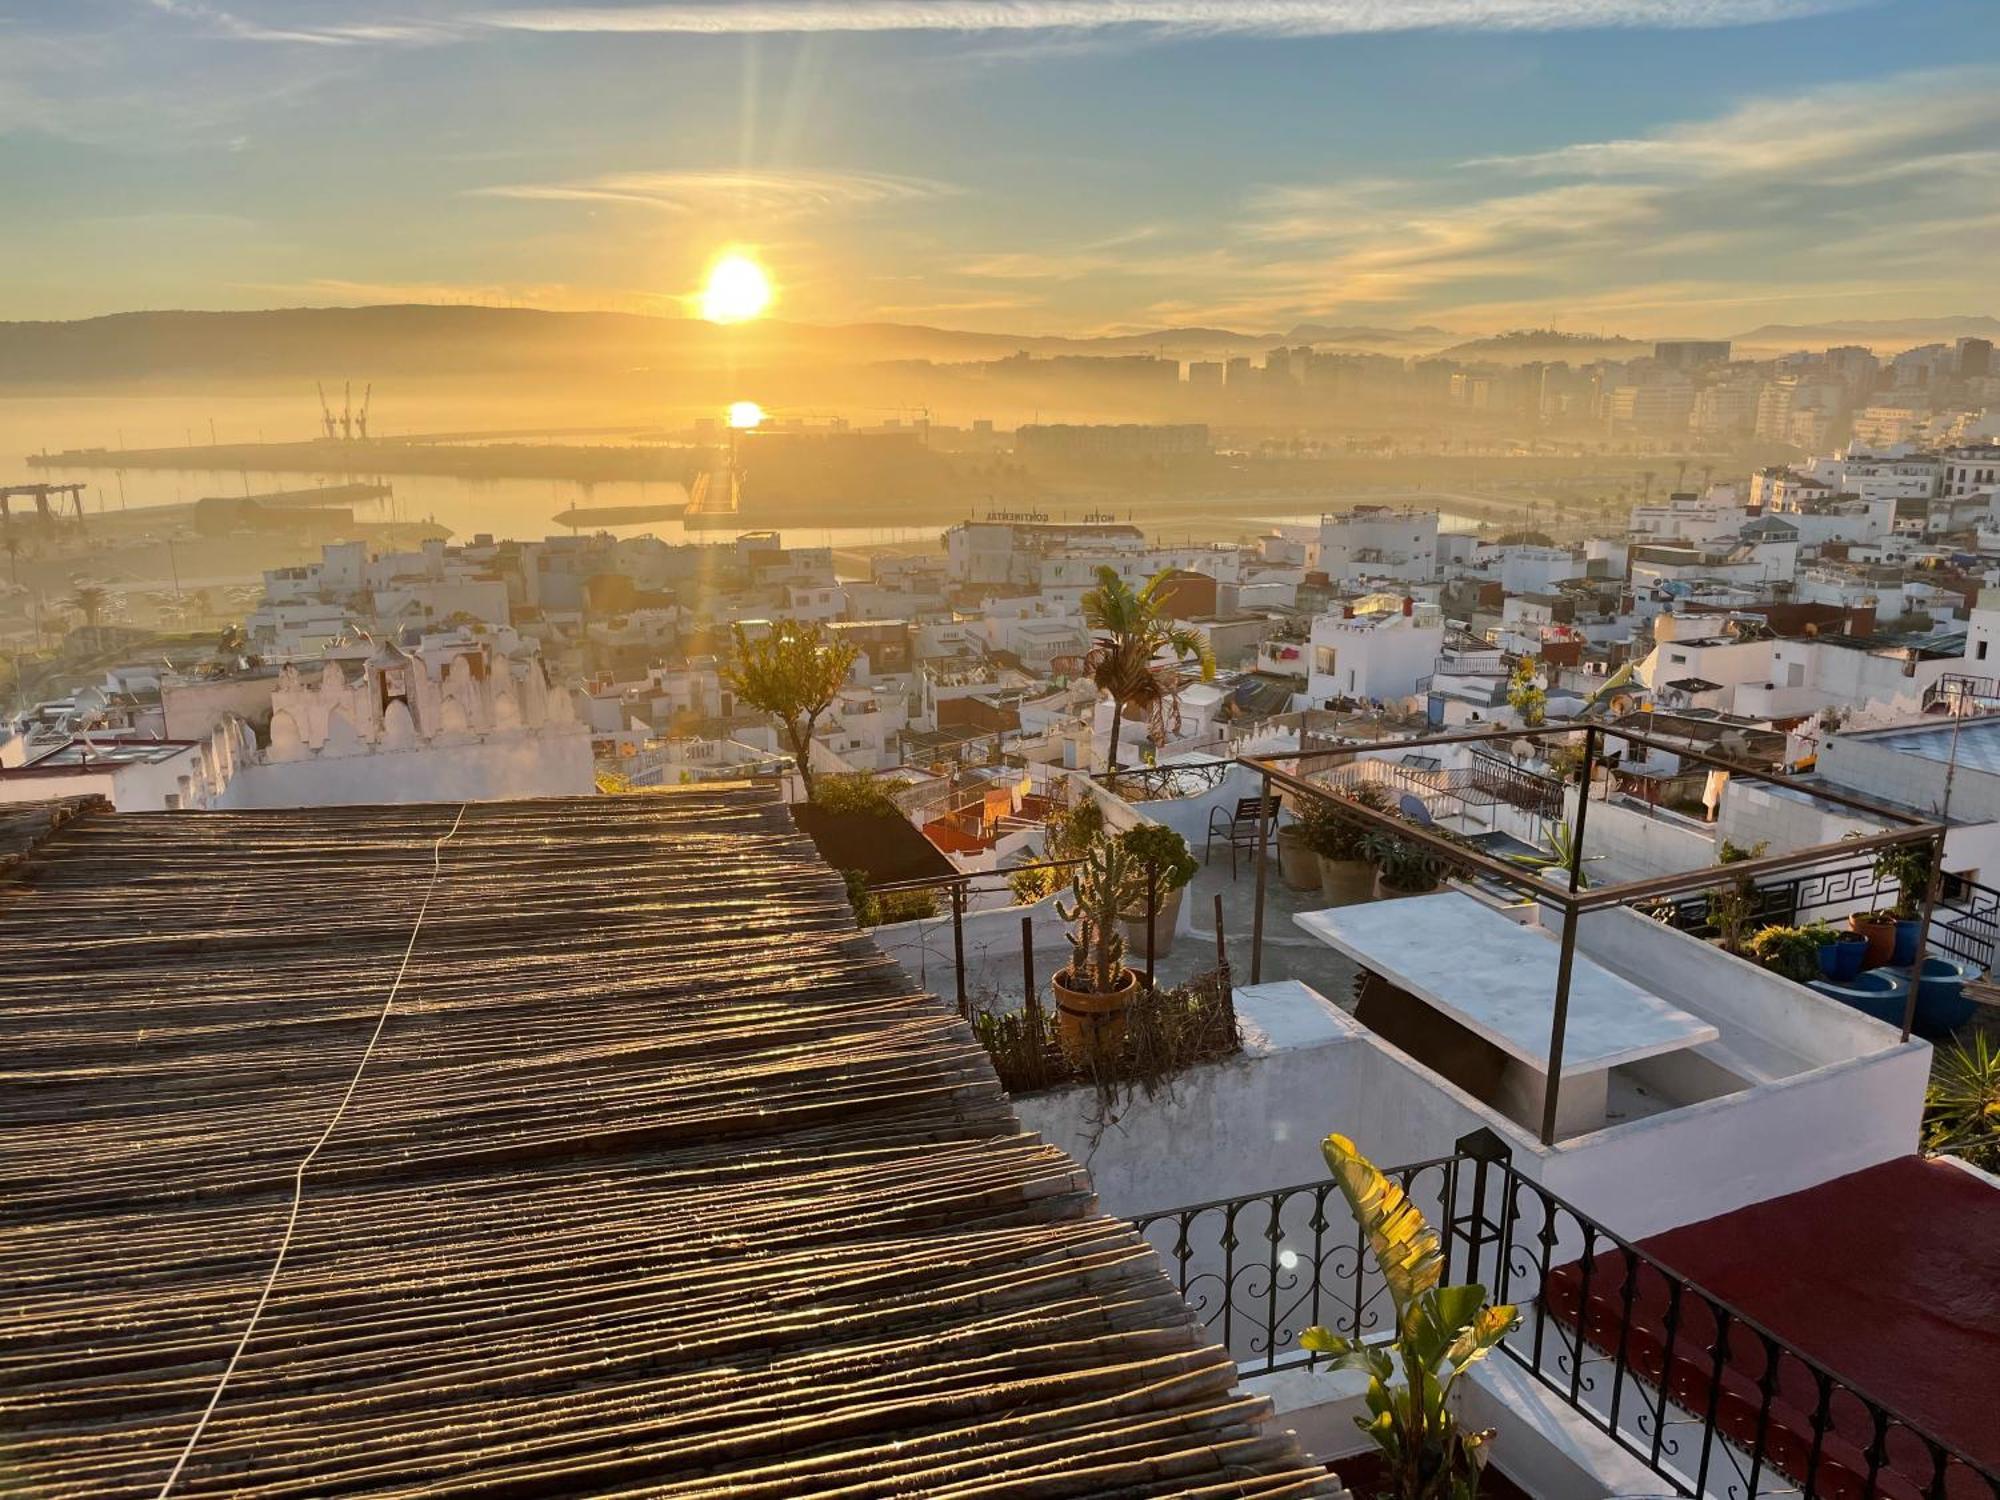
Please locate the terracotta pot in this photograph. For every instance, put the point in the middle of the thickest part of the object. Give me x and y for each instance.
(1089, 1024)
(1298, 866)
(1390, 893)
(1132, 926)
(1881, 939)
(1346, 882)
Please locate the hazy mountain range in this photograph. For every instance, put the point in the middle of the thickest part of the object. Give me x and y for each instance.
(436, 340)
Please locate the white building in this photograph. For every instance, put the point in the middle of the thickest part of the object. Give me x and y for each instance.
(454, 719)
(1376, 650)
(1374, 541)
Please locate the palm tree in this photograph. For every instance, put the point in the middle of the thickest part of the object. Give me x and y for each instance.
(1133, 628)
(88, 601)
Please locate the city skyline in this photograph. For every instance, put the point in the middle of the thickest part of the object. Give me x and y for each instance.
(1635, 166)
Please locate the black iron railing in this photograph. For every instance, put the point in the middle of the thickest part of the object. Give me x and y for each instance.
(1155, 783)
(1962, 693)
(1965, 923)
(1515, 785)
(1711, 1401)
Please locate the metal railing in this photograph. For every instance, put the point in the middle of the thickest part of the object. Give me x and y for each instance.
(1489, 664)
(1965, 922)
(1962, 693)
(1711, 1401)
(1564, 888)
(1164, 782)
(1146, 946)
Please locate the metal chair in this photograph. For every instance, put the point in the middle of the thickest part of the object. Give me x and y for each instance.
(1240, 829)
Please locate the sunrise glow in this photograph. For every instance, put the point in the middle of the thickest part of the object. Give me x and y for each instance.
(737, 290)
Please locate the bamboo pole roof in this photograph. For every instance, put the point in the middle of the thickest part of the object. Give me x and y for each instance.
(661, 1180)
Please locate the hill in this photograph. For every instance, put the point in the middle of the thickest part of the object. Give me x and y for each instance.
(1883, 335)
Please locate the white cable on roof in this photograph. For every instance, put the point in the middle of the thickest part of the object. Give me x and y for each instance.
(299, 1175)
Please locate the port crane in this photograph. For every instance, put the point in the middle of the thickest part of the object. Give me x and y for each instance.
(351, 425)
(42, 494)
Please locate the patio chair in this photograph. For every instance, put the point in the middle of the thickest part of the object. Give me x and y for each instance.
(1239, 829)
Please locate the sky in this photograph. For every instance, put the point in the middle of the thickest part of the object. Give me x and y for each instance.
(1650, 167)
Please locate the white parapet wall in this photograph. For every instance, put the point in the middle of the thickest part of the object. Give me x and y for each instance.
(1254, 1122)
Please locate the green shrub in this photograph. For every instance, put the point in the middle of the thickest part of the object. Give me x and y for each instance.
(1792, 952)
(1163, 848)
(1332, 836)
(876, 908)
(1962, 1105)
(854, 792)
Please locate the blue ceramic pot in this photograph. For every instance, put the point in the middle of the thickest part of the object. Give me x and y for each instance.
(1841, 959)
(1906, 944)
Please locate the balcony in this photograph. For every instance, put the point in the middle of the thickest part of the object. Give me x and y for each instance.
(1624, 1374)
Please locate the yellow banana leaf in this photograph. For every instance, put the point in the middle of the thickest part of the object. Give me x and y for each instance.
(1405, 1247)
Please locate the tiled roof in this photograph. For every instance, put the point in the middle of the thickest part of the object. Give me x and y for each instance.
(660, 1180)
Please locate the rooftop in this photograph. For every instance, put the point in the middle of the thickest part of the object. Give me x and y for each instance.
(660, 1177)
(1976, 742)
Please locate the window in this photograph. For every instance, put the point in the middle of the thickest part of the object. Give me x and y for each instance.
(1979, 652)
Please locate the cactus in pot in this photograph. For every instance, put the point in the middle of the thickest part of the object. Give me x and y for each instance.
(1092, 992)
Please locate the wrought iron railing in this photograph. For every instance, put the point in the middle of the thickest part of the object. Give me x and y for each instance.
(1710, 1400)
(1515, 785)
(1965, 924)
(1962, 693)
(1159, 783)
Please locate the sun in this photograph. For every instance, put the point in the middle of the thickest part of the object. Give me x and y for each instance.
(744, 415)
(737, 290)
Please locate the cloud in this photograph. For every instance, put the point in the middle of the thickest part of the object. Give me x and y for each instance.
(761, 195)
(1193, 17)
(338, 33)
(1816, 194)
(1838, 133)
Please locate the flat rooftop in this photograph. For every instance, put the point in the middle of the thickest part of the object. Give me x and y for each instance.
(659, 1179)
(1978, 742)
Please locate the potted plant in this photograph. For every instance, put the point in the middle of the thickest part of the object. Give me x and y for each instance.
(1346, 874)
(1909, 866)
(1553, 861)
(1789, 952)
(1841, 954)
(1878, 928)
(1441, 1331)
(1156, 848)
(1403, 867)
(1092, 993)
(1731, 908)
(1962, 1105)
(1298, 865)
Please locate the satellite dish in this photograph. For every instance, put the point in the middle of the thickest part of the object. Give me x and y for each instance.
(1621, 703)
(1524, 750)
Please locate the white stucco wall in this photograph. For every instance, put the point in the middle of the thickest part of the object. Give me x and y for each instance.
(506, 765)
(1255, 1122)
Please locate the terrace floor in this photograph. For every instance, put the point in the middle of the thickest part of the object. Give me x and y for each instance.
(1900, 1300)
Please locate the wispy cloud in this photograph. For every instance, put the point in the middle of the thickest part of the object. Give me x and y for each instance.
(1196, 17)
(764, 195)
(348, 32)
(1843, 131)
(1864, 194)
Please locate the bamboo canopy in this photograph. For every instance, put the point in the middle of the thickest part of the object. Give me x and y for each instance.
(660, 1180)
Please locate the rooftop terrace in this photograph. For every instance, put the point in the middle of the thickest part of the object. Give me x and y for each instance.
(640, 1171)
